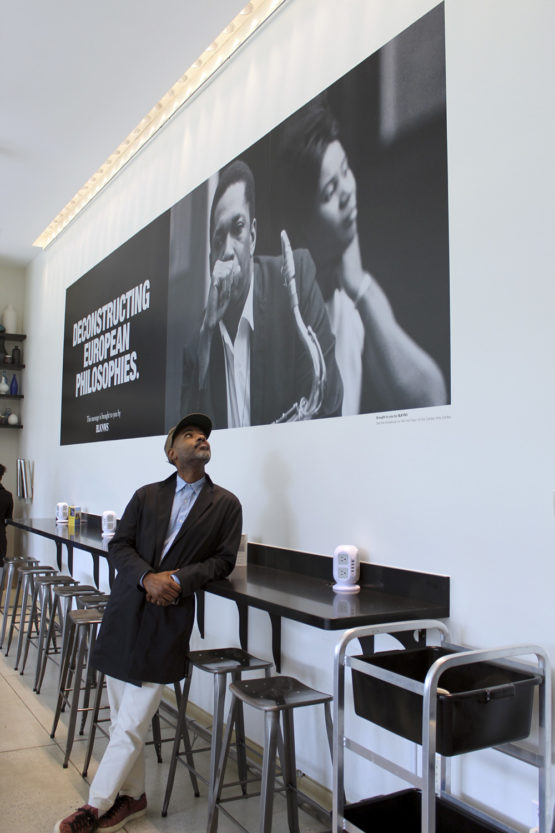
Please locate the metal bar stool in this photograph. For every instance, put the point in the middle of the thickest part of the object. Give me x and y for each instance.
(62, 602)
(219, 663)
(4, 571)
(8, 575)
(24, 587)
(83, 629)
(274, 696)
(88, 601)
(41, 609)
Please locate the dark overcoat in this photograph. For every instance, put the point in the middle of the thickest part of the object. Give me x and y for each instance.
(143, 642)
(6, 509)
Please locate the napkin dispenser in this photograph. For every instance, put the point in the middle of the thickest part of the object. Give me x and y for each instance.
(62, 513)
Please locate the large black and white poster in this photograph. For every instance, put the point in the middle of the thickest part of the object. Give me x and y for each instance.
(308, 278)
(114, 343)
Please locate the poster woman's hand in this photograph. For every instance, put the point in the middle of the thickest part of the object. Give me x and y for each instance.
(351, 275)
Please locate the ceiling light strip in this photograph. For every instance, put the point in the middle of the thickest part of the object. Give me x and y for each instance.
(235, 34)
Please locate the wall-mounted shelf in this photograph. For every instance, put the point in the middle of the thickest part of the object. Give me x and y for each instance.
(8, 368)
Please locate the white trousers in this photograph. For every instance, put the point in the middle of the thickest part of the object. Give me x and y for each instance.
(122, 768)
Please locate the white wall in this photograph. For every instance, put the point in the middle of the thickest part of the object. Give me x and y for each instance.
(468, 493)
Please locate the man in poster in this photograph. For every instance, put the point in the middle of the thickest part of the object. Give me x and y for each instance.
(250, 364)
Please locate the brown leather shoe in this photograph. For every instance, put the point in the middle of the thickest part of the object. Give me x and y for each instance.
(123, 809)
(83, 820)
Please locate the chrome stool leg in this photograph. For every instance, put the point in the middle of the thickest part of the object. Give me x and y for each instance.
(181, 733)
(100, 686)
(81, 645)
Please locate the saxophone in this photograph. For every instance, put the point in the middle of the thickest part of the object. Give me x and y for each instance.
(306, 407)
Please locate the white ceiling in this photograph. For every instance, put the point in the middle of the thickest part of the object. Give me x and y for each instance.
(76, 78)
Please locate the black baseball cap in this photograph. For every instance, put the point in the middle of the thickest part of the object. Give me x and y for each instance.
(198, 420)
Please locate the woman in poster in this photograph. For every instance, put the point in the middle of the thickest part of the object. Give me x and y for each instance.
(382, 367)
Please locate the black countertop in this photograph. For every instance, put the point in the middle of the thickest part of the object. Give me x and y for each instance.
(87, 535)
(299, 586)
(285, 583)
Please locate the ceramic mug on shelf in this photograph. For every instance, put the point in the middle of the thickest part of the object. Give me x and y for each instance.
(9, 319)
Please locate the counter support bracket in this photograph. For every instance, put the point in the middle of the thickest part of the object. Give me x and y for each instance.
(69, 548)
(276, 640)
(200, 611)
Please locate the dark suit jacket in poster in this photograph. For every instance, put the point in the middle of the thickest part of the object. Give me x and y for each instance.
(281, 369)
(6, 510)
(140, 641)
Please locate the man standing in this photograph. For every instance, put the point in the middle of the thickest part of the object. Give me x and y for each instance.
(249, 365)
(6, 510)
(173, 538)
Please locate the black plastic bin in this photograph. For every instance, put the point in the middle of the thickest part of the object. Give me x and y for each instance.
(400, 813)
(486, 704)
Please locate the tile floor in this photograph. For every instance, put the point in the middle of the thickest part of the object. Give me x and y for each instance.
(35, 790)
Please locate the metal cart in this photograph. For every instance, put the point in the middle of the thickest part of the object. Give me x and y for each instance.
(434, 780)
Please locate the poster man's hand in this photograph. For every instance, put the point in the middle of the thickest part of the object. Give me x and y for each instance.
(220, 292)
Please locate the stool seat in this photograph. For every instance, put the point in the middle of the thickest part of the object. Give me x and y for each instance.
(91, 600)
(57, 578)
(76, 590)
(226, 660)
(276, 693)
(90, 616)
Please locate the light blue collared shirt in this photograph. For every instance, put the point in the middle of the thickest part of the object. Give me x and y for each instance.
(183, 502)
